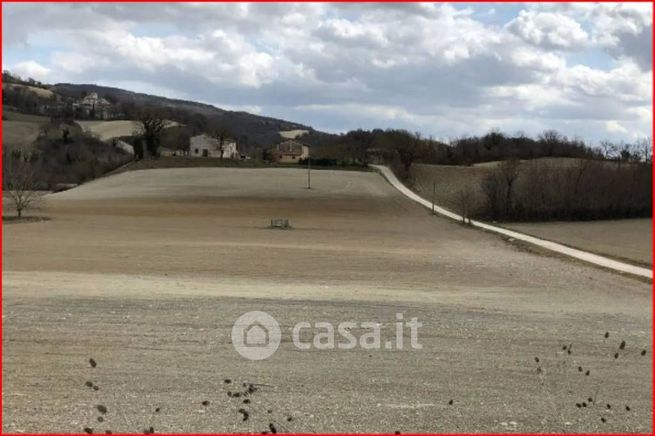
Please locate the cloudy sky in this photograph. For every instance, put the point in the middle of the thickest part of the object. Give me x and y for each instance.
(441, 69)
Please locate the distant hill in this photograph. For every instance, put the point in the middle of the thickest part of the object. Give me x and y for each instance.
(254, 130)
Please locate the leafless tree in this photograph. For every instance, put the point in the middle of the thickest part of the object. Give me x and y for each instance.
(609, 149)
(645, 147)
(509, 171)
(151, 127)
(467, 202)
(21, 180)
(491, 186)
(407, 146)
(220, 132)
(551, 139)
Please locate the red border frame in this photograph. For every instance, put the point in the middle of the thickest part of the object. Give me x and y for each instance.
(363, 1)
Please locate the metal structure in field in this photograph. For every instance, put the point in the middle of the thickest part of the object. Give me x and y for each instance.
(280, 223)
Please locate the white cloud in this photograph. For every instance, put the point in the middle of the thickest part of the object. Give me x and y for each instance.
(614, 126)
(549, 29)
(432, 67)
(76, 63)
(623, 30)
(32, 69)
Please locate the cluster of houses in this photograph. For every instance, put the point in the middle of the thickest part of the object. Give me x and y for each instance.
(92, 106)
(203, 146)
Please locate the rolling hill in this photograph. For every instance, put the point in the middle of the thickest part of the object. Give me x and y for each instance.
(246, 127)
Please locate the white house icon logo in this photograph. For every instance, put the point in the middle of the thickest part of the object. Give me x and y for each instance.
(256, 335)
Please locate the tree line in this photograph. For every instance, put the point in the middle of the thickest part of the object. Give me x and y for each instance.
(579, 189)
(404, 148)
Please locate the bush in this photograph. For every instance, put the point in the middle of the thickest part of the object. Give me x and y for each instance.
(76, 158)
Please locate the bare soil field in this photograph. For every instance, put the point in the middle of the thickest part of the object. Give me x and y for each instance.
(146, 272)
(627, 239)
(17, 116)
(20, 130)
(167, 162)
(106, 130)
(19, 133)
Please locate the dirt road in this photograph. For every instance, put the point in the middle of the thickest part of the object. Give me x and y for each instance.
(147, 271)
(575, 253)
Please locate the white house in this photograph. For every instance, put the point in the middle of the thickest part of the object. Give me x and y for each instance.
(206, 146)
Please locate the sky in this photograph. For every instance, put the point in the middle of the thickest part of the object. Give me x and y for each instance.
(444, 70)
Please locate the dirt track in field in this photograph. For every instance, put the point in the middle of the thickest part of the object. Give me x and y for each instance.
(146, 271)
(622, 239)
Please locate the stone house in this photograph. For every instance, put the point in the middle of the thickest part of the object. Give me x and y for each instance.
(207, 146)
(290, 152)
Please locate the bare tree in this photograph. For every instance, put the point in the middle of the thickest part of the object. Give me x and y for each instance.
(645, 149)
(21, 180)
(491, 186)
(466, 201)
(609, 149)
(220, 132)
(407, 146)
(509, 171)
(152, 125)
(551, 139)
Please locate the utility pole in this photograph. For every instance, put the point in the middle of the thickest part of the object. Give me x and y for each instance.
(434, 192)
(309, 170)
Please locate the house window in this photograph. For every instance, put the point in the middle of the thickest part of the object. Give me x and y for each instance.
(195, 151)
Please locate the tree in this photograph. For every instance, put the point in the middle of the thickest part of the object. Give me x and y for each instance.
(466, 201)
(644, 148)
(358, 142)
(407, 146)
(509, 171)
(152, 125)
(137, 145)
(491, 185)
(65, 134)
(176, 138)
(220, 132)
(20, 180)
(609, 149)
(551, 139)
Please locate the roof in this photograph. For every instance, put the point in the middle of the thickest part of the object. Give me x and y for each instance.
(93, 99)
(291, 147)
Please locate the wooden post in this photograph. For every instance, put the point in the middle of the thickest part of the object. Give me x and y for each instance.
(309, 171)
(434, 192)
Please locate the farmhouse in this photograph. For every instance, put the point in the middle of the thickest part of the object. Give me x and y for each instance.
(290, 152)
(206, 146)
